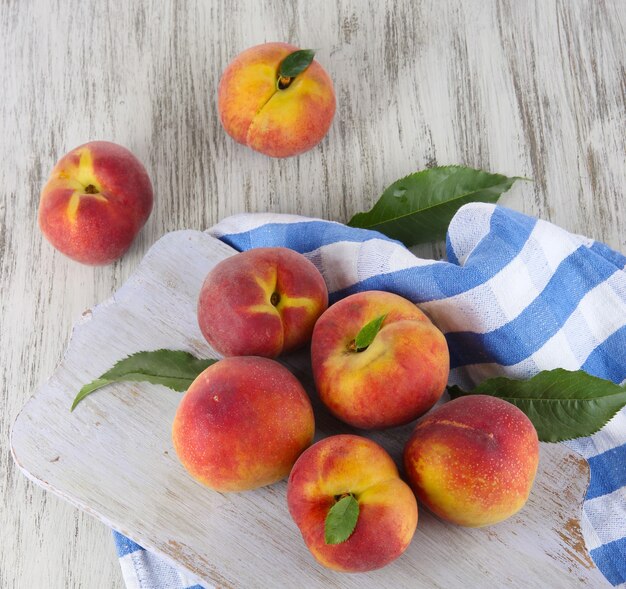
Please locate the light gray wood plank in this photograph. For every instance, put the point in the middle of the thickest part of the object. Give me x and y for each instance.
(533, 88)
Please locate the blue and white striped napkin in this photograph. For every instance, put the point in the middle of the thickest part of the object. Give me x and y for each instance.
(516, 296)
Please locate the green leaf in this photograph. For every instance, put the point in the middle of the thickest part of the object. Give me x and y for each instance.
(341, 520)
(418, 208)
(295, 63)
(368, 332)
(561, 404)
(172, 368)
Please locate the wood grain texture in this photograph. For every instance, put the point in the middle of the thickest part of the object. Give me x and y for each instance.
(534, 88)
(114, 458)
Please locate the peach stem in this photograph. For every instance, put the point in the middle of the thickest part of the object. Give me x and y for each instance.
(284, 82)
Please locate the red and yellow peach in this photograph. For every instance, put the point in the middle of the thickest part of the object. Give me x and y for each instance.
(255, 111)
(242, 424)
(473, 460)
(95, 202)
(336, 467)
(263, 302)
(400, 375)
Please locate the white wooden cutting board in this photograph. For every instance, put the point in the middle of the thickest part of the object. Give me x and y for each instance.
(113, 457)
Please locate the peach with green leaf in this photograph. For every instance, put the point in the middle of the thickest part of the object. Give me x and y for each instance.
(262, 302)
(95, 202)
(276, 99)
(354, 512)
(378, 361)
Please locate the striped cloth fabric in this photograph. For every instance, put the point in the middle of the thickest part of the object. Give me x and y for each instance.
(517, 295)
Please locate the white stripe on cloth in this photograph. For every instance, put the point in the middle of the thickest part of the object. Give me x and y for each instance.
(510, 291)
(346, 263)
(572, 344)
(142, 569)
(607, 516)
(129, 568)
(245, 222)
(466, 231)
(467, 376)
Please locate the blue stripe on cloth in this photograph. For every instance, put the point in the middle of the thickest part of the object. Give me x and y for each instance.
(303, 237)
(510, 231)
(607, 359)
(607, 253)
(124, 545)
(421, 284)
(608, 472)
(450, 253)
(520, 338)
(611, 560)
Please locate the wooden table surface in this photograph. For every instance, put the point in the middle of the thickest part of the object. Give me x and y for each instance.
(519, 87)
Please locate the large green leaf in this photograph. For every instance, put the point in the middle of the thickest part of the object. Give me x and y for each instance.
(561, 404)
(418, 208)
(172, 368)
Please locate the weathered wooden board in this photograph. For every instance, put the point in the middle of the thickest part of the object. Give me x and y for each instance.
(113, 457)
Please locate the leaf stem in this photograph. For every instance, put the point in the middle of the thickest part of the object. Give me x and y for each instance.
(283, 82)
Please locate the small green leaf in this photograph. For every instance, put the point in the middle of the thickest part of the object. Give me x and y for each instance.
(172, 368)
(368, 332)
(295, 63)
(418, 208)
(560, 403)
(341, 520)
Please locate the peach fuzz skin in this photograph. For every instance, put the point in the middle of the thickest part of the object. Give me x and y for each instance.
(262, 302)
(242, 424)
(278, 123)
(397, 378)
(387, 508)
(473, 461)
(96, 200)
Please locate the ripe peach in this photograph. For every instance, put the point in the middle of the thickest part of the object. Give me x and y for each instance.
(398, 377)
(473, 460)
(342, 465)
(255, 111)
(242, 424)
(95, 202)
(261, 302)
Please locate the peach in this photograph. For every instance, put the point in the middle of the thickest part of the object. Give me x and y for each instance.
(397, 378)
(242, 424)
(472, 461)
(257, 112)
(352, 465)
(261, 302)
(96, 200)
